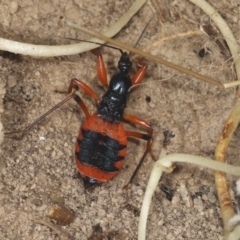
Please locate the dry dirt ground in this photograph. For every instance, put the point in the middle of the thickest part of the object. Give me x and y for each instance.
(38, 171)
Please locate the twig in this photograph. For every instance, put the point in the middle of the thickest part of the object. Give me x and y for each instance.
(147, 55)
(173, 37)
(224, 196)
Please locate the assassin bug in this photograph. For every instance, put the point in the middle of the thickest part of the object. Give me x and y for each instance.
(102, 140)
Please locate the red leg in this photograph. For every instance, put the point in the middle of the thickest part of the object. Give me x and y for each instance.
(139, 75)
(101, 69)
(147, 137)
(81, 105)
(138, 121)
(143, 123)
(78, 84)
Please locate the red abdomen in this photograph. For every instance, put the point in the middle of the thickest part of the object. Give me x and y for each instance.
(100, 148)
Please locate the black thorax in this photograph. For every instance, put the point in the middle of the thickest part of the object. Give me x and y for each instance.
(113, 102)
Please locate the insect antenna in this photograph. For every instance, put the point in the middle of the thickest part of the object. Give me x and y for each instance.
(110, 46)
(100, 44)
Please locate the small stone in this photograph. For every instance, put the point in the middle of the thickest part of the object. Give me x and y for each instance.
(12, 82)
(205, 197)
(212, 198)
(37, 202)
(152, 105)
(61, 214)
(13, 7)
(2, 87)
(140, 192)
(175, 200)
(53, 155)
(101, 213)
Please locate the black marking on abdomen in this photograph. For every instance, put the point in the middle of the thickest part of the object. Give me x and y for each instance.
(99, 151)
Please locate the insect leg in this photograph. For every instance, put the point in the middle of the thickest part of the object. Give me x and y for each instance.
(148, 137)
(139, 75)
(101, 69)
(78, 84)
(23, 131)
(81, 105)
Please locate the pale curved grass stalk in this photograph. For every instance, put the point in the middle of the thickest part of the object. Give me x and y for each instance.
(165, 164)
(233, 120)
(235, 234)
(53, 51)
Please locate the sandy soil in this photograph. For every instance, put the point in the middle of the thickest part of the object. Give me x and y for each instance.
(38, 171)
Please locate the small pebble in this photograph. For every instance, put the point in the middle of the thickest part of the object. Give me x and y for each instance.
(12, 82)
(212, 198)
(13, 7)
(61, 214)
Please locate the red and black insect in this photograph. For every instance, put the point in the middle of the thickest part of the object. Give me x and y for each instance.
(102, 140)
